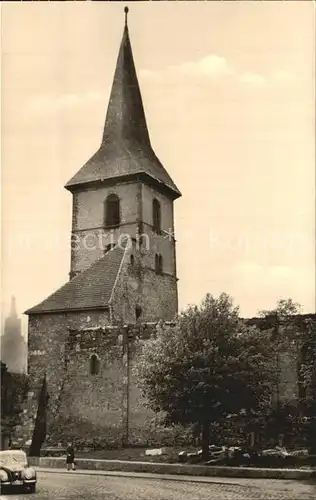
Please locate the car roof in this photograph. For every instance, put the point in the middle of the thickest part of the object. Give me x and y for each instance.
(20, 453)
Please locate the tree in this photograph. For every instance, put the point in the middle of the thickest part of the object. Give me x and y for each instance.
(284, 309)
(39, 432)
(13, 392)
(208, 366)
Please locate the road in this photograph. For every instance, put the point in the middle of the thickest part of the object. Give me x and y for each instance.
(74, 486)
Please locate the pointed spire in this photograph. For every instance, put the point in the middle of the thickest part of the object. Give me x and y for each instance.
(125, 117)
(13, 313)
(125, 149)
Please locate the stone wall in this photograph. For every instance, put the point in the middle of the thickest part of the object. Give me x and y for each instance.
(46, 355)
(166, 204)
(106, 409)
(163, 243)
(157, 294)
(101, 410)
(90, 237)
(92, 405)
(90, 205)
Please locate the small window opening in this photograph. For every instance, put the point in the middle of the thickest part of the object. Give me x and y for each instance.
(158, 263)
(132, 260)
(156, 216)
(138, 312)
(94, 365)
(109, 247)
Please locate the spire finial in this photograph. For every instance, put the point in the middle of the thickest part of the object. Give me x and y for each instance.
(126, 12)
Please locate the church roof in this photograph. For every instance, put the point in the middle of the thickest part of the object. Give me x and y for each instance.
(91, 289)
(125, 149)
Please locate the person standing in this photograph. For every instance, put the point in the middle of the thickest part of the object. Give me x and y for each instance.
(70, 457)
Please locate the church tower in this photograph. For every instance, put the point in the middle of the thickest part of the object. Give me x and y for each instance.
(122, 282)
(123, 190)
(13, 345)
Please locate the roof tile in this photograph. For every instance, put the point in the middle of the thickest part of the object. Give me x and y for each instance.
(90, 289)
(125, 148)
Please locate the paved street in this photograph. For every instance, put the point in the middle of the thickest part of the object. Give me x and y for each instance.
(73, 486)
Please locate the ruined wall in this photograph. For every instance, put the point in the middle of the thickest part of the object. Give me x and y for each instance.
(46, 354)
(288, 369)
(92, 405)
(140, 418)
(106, 409)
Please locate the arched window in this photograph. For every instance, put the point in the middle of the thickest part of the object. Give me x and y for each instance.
(94, 365)
(158, 263)
(156, 216)
(112, 210)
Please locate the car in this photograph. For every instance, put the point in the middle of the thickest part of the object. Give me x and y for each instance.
(15, 472)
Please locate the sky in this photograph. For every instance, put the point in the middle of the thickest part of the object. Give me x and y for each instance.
(228, 91)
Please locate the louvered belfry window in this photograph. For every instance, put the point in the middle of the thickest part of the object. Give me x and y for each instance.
(112, 210)
(156, 216)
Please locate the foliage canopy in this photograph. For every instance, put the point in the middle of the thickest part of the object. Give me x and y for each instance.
(206, 367)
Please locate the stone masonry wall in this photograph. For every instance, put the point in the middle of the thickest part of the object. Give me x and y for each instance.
(163, 243)
(155, 294)
(159, 296)
(92, 405)
(166, 204)
(140, 418)
(47, 336)
(143, 424)
(89, 235)
(105, 409)
(159, 291)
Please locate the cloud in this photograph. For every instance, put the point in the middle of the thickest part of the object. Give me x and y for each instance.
(214, 66)
(252, 79)
(51, 104)
(211, 65)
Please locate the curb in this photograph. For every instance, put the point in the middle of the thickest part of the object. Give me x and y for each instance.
(146, 475)
(119, 467)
